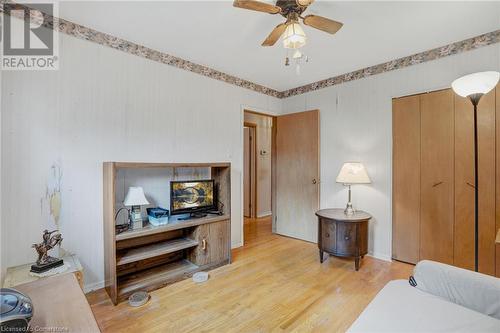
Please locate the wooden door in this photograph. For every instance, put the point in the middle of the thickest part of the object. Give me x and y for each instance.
(497, 130)
(406, 178)
(297, 175)
(437, 176)
(464, 183)
(246, 172)
(249, 172)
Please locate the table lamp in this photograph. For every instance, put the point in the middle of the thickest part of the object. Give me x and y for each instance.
(135, 198)
(352, 173)
(474, 86)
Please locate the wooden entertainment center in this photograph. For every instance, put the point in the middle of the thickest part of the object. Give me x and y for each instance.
(154, 256)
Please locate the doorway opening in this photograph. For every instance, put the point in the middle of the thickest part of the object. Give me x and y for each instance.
(258, 140)
(284, 153)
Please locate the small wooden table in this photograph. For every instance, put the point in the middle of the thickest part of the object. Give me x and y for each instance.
(21, 274)
(343, 235)
(59, 305)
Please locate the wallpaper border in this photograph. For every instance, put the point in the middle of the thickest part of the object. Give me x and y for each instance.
(85, 33)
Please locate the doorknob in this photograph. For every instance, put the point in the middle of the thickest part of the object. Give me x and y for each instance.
(314, 181)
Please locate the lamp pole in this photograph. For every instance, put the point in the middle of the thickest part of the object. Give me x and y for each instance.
(474, 98)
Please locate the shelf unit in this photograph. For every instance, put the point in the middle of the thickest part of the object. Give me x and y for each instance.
(154, 256)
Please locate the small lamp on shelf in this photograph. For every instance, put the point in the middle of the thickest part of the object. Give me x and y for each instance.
(352, 173)
(135, 198)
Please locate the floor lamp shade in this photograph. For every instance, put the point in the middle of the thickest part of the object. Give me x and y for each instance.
(476, 83)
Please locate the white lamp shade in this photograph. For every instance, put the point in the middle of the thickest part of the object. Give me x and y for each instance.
(294, 37)
(353, 173)
(477, 83)
(135, 197)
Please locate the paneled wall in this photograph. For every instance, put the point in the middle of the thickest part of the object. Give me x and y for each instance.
(106, 105)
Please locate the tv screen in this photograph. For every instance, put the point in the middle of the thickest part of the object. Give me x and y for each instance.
(192, 196)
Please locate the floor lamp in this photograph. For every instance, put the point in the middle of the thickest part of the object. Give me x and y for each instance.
(474, 86)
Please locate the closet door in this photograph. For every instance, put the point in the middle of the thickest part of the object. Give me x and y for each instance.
(406, 178)
(464, 183)
(437, 176)
(497, 228)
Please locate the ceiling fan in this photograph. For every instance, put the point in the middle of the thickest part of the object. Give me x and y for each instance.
(293, 35)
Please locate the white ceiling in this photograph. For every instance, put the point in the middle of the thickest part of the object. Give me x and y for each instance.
(215, 34)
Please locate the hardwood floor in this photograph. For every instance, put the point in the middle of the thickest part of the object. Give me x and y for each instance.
(275, 284)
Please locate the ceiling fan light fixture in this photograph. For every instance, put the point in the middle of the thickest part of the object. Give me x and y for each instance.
(294, 37)
(297, 54)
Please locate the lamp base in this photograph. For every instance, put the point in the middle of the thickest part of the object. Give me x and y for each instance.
(349, 210)
(135, 217)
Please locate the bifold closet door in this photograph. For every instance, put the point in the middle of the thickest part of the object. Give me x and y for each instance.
(437, 176)
(464, 183)
(406, 178)
(497, 131)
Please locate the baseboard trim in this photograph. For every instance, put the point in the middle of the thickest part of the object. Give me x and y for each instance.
(265, 214)
(236, 245)
(380, 256)
(87, 288)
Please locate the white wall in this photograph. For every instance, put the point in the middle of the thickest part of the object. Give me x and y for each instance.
(106, 105)
(356, 126)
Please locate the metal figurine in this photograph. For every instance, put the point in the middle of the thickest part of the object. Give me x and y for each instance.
(44, 261)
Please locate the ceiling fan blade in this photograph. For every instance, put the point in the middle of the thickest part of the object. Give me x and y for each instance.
(275, 35)
(257, 6)
(304, 3)
(322, 23)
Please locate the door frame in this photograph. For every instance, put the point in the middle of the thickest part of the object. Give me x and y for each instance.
(273, 116)
(253, 171)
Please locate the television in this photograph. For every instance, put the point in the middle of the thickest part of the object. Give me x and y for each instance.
(192, 196)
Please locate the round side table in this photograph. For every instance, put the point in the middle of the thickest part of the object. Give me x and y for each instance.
(343, 235)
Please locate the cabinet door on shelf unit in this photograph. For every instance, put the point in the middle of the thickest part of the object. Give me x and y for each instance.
(213, 245)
